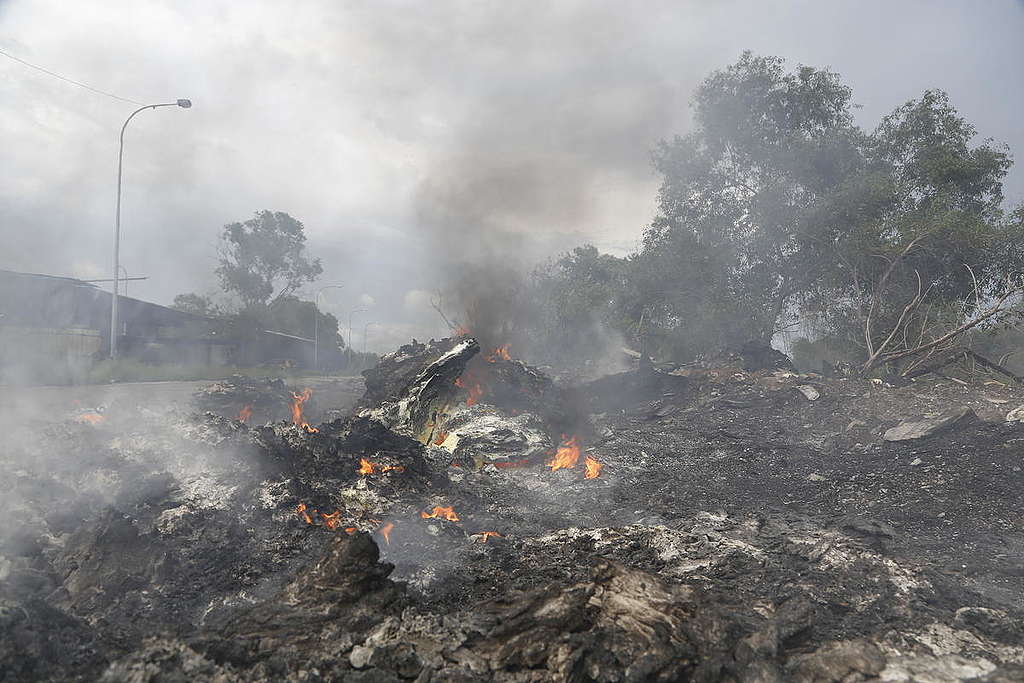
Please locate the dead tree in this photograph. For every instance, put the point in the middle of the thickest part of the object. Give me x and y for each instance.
(915, 335)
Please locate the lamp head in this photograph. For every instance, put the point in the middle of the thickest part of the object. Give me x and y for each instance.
(184, 104)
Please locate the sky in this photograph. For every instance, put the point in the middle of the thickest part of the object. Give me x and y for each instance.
(410, 137)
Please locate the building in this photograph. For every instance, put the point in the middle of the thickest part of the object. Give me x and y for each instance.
(48, 319)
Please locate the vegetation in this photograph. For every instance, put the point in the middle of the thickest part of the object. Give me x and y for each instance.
(892, 244)
(263, 261)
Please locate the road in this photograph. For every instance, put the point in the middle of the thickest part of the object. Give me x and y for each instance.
(336, 394)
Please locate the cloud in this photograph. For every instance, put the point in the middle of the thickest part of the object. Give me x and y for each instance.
(412, 136)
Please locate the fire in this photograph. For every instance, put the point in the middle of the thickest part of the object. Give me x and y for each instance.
(441, 512)
(441, 436)
(244, 414)
(297, 401)
(367, 467)
(566, 455)
(90, 418)
(487, 534)
(301, 511)
(333, 520)
(593, 468)
(385, 531)
(500, 353)
(474, 389)
(461, 331)
(350, 530)
(509, 464)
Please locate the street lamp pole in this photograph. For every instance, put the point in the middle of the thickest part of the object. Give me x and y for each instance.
(366, 327)
(184, 104)
(354, 310)
(316, 324)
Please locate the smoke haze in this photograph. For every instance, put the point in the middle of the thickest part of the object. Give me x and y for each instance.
(411, 138)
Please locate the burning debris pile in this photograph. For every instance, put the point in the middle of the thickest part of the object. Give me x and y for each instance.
(473, 520)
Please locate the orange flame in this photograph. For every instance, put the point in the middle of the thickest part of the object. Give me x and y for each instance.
(367, 467)
(244, 414)
(472, 386)
(500, 353)
(566, 455)
(593, 468)
(509, 464)
(301, 511)
(385, 531)
(333, 520)
(441, 436)
(487, 534)
(461, 331)
(90, 418)
(350, 530)
(441, 512)
(297, 401)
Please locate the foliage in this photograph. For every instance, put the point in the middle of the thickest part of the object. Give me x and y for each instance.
(577, 300)
(777, 206)
(264, 255)
(196, 304)
(290, 315)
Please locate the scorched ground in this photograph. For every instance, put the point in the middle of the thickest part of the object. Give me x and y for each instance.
(472, 520)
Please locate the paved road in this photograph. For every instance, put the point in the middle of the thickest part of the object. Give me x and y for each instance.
(339, 393)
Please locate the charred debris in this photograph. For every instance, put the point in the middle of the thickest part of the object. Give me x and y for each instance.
(472, 520)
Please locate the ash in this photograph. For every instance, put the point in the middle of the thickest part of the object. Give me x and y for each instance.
(710, 524)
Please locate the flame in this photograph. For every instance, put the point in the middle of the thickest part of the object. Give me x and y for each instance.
(593, 468)
(297, 401)
(244, 414)
(90, 418)
(509, 464)
(461, 331)
(487, 534)
(471, 385)
(367, 467)
(566, 455)
(441, 436)
(500, 353)
(441, 512)
(385, 531)
(301, 511)
(333, 520)
(350, 530)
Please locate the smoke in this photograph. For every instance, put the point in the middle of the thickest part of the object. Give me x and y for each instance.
(411, 136)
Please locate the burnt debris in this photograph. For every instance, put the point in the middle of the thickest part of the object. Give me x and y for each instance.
(474, 520)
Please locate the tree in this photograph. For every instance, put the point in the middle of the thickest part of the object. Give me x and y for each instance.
(777, 207)
(263, 259)
(195, 304)
(740, 196)
(941, 259)
(576, 300)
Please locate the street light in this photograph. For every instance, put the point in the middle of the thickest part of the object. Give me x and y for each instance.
(365, 328)
(354, 310)
(184, 104)
(316, 324)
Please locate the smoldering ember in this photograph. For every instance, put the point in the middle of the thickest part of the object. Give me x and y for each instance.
(471, 519)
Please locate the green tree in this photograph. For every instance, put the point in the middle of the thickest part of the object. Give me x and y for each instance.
(195, 304)
(740, 196)
(777, 207)
(264, 259)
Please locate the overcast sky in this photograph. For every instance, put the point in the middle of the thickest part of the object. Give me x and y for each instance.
(405, 134)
